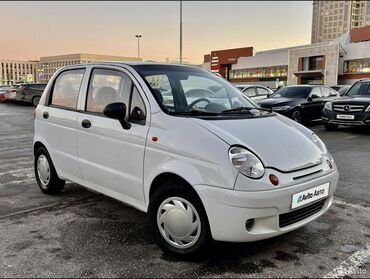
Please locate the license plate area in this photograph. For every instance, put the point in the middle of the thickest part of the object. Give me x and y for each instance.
(346, 116)
(310, 195)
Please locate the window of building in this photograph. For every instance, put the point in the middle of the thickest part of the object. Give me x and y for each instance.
(66, 89)
(357, 66)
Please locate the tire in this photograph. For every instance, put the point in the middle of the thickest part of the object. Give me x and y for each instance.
(331, 127)
(36, 101)
(297, 116)
(196, 237)
(46, 176)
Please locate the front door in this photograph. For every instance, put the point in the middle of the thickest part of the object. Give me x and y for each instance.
(111, 158)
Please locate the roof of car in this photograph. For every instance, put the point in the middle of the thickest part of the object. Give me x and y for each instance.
(131, 63)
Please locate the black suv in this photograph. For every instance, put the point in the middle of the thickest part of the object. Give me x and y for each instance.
(30, 93)
(352, 109)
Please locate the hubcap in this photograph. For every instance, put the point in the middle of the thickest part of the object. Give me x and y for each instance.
(296, 116)
(43, 170)
(179, 222)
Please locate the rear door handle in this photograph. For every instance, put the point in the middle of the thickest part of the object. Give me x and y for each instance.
(45, 115)
(86, 123)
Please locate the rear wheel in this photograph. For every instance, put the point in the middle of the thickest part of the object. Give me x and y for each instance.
(178, 220)
(45, 173)
(331, 127)
(36, 101)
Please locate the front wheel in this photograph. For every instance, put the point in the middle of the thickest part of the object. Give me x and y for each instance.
(297, 116)
(178, 220)
(45, 173)
(36, 101)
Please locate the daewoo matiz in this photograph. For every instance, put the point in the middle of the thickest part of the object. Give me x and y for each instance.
(185, 146)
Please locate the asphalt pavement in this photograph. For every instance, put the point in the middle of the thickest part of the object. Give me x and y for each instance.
(83, 234)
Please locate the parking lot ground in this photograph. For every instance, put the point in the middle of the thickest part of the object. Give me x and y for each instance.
(83, 234)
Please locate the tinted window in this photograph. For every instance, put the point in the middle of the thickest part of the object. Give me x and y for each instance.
(137, 107)
(106, 87)
(262, 91)
(250, 92)
(66, 88)
(292, 92)
(360, 88)
(315, 93)
(325, 92)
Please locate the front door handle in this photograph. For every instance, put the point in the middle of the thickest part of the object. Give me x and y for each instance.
(86, 123)
(45, 115)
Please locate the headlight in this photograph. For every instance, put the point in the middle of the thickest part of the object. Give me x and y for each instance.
(368, 108)
(328, 106)
(319, 143)
(281, 108)
(246, 162)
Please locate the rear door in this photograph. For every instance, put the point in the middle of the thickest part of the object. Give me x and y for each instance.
(58, 122)
(111, 158)
(313, 106)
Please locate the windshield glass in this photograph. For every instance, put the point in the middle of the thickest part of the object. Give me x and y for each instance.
(181, 90)
(292, 92)
(359, 89)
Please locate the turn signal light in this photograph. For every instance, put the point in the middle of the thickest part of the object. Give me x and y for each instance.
(329, 164)
(273, 179)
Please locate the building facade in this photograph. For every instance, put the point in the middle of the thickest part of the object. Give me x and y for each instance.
(49, 64)
(12, 71)
(331, 19)
(341, 61)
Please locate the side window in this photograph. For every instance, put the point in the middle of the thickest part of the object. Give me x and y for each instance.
(325, 92)
(250, 92)
(137, 108)
(315, 93)
(262, 91)
(66, 88)
(162, 90)
(106, 87)
(333, 92)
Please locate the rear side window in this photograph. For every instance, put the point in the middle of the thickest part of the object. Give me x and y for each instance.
(262, 91)
(250, 92)
(107, 87)
(325, 92)
(66, 88)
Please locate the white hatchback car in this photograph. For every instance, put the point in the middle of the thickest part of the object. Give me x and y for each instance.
(186, 147)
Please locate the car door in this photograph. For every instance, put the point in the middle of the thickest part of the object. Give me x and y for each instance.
(313, 105)
(111, 158)
(58, 122)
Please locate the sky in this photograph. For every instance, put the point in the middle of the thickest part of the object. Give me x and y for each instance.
(34, 29)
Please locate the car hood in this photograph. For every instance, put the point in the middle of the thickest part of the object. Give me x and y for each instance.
(274, 102)
(279, 142)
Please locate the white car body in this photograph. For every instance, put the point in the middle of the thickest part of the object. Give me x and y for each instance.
(124, 164)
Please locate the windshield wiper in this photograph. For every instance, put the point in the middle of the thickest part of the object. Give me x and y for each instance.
(195, 113)
(245, 109)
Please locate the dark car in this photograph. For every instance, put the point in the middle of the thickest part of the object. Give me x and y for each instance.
(353, 109)
(302, 103)
(30, 93)
(341, 89)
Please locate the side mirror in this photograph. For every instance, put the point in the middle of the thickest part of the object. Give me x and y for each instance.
(309, 98)
(117, 111)
(137, 114)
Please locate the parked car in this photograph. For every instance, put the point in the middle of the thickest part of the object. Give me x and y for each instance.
(255, 92)
(3, 90)
(11, 92)
(341, 89)
(227, 170)
(30, 93)
(302, 103)
(353, 109)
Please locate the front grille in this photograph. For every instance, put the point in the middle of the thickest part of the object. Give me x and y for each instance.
(295, 216)
(349, 108)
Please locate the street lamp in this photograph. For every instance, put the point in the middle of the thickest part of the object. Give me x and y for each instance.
(138, 36)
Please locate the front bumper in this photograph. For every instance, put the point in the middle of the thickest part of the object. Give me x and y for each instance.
(360, 118)
(228, 210)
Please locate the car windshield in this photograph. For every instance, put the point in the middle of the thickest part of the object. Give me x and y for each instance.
(359, 89)
(181, 90)
(292, 92)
